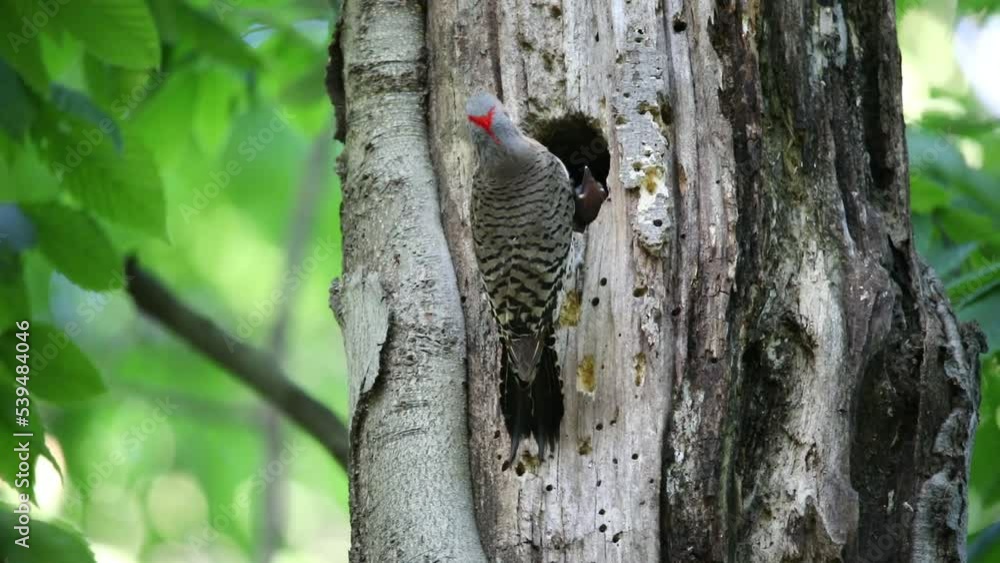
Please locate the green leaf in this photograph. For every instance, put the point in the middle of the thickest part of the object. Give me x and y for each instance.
(984, 312)
(963, 225)
(984, 485)
(931, 151)
(21, 48)
(14, 304)
(119, 90)
(76, 245)
(946, 260)
(964, 125)
(49, 542)
(61, 53)
(120, 32)
(935, 157)
(18, 108)
(163, 14)
(60, 372)
(218, 91)
(926, 195)
(903, 6)
(165, 120)
(121, 186)
(970, 287)
(125, 189)
(27, 177)
(979, 6)
(78, 104)
(209, 36)
(299, 57)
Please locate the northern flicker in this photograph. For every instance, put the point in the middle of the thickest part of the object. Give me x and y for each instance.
(524, 210)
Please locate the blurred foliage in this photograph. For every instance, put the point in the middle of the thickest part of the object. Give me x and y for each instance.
(182, 131)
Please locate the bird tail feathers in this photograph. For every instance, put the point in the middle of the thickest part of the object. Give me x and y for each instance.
(535, 408)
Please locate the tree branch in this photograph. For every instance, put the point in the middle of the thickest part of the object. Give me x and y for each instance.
(255, 368)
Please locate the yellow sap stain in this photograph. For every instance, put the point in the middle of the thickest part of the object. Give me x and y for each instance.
(653, 179)
(586, 381)
(639, 363)
(584, 446)
(569, 315)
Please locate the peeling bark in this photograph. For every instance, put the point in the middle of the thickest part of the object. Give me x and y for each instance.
(756, 364)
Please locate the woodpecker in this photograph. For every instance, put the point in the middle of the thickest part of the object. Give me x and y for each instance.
(524, 209)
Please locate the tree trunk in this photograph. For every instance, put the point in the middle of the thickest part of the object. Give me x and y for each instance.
(756, 364)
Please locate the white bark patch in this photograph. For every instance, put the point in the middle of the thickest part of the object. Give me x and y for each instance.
(640, 128)
(687, 426)
(650, 322)
(810, 468)
(359, 301)
(829, 40)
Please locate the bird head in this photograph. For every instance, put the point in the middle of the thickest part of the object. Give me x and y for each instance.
(490, 127)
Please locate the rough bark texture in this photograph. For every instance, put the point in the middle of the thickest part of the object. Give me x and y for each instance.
(411, 498)
(598, 499)
(756, 364)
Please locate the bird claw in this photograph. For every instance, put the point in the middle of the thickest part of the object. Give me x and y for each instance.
(590, 195)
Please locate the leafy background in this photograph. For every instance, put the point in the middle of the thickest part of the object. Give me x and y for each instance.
(186, 133)
(195, 134)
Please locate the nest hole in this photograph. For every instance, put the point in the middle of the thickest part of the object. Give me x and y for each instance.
(578, 142)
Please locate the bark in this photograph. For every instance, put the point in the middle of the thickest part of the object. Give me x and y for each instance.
(756, 364)
(411, 496)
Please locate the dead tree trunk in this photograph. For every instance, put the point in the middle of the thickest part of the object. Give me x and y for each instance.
(756, 364)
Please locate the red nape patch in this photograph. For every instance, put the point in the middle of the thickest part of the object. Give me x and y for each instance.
(486, 122)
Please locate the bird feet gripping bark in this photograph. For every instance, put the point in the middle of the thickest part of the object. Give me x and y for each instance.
(590, 196)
